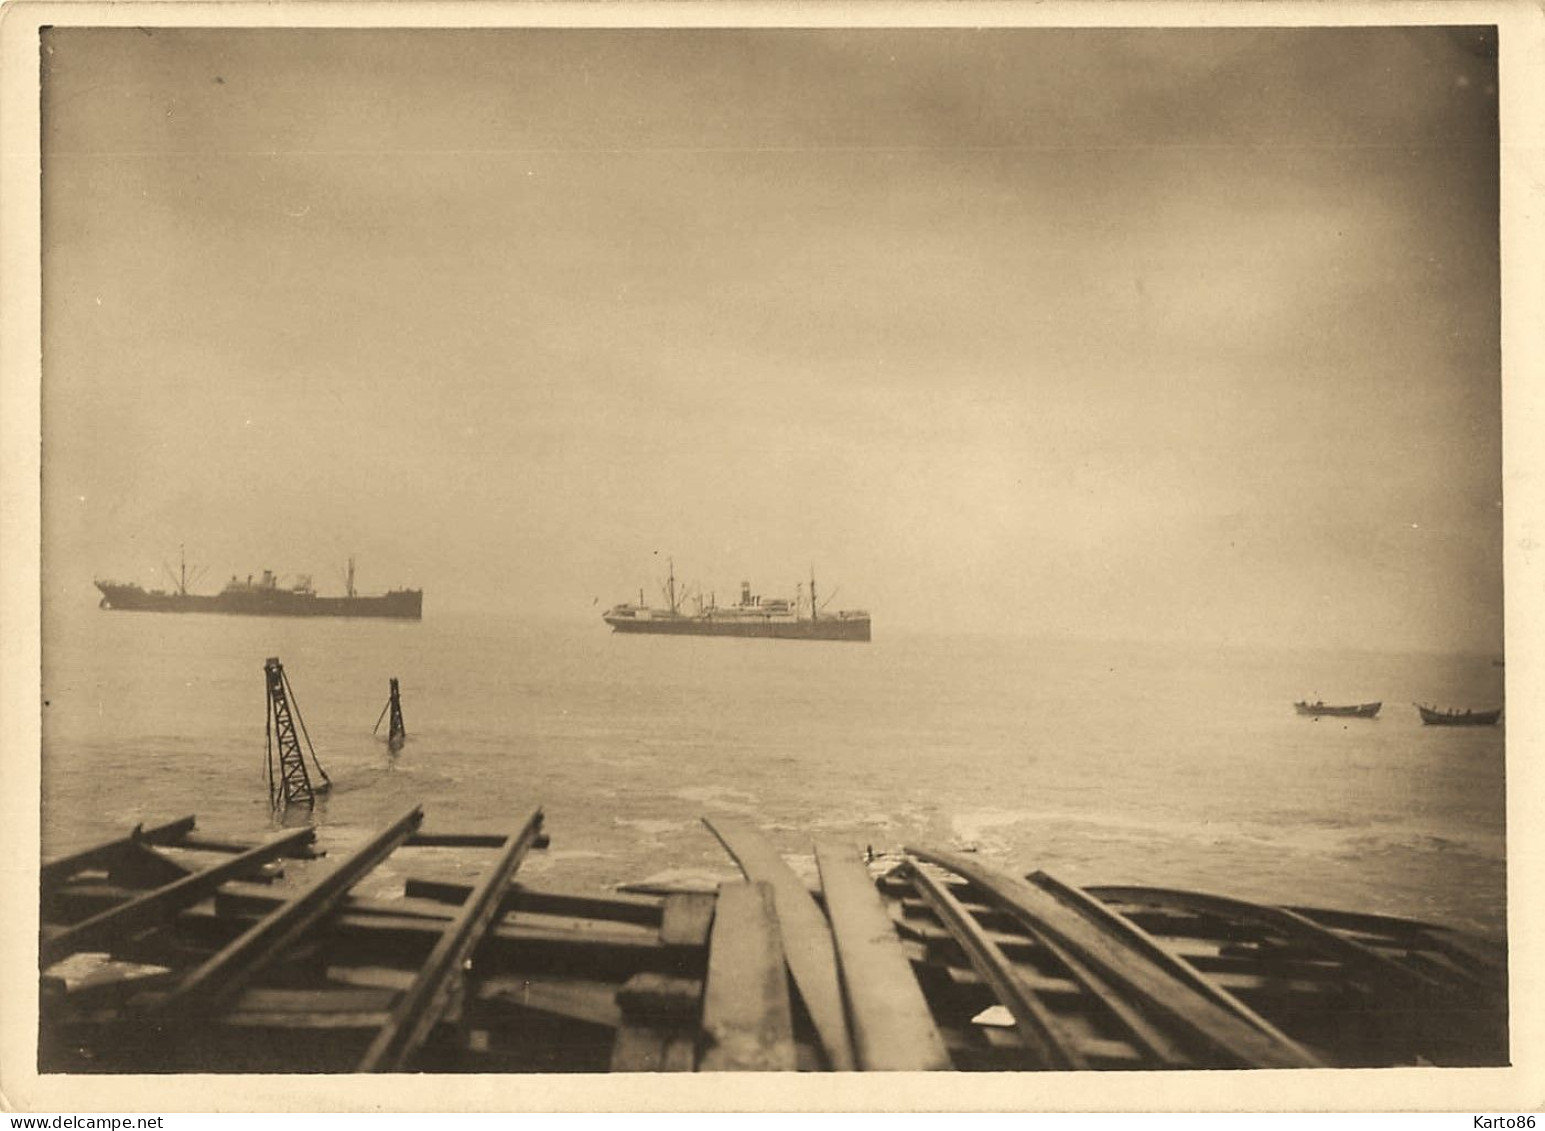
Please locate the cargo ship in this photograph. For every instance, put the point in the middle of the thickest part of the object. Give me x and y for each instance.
(776, 618)
(263, 597)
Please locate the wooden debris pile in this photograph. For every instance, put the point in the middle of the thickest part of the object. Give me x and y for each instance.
(166, 952)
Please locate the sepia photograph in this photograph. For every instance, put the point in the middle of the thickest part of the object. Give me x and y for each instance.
(578, 544)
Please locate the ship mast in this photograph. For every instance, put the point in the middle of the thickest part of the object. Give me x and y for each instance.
(182, 581)
(813, 607)
(671, 583)
(350, 586)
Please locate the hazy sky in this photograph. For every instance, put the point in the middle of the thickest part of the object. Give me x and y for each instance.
(1149, 334)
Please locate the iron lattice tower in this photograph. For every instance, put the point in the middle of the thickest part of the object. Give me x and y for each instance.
(292, 784)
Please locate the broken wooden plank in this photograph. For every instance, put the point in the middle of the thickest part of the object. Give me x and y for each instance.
(686, 919)
(893, 1029)
(747, 1020)
(155, 907)
(592, 1002)
(1134, 974)
(102, 855)
(141, 866)
(661, 890)
(226, 972)
(420, 1008)
(805, 933)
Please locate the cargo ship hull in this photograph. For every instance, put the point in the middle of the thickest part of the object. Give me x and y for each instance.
(826, 628)
(401, 604)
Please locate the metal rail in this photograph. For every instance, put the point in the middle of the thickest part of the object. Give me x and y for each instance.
(1046, 1041)
(1297, 927)
(1118, 924)
(161, 903)
(1132, 973)
(424, 1001)
(207, 988)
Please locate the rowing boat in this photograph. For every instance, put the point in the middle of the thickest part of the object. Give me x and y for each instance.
(1356, 711)
(1433, 717)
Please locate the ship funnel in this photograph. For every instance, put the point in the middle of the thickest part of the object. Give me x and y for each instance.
(745, 592)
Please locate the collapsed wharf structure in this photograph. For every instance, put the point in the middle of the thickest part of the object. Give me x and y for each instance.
(165, 951)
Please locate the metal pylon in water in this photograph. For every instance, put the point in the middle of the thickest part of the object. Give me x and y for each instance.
(396, 733)
(291, 784)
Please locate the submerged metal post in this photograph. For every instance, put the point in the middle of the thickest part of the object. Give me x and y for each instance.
(395, 731)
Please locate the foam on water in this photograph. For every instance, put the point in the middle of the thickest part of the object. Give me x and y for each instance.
(1180, 766)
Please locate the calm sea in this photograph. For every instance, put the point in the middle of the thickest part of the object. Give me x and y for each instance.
(1100, 763)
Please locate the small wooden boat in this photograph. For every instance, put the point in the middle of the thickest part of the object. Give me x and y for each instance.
(1356, 711)
(167, 952)
(1433, 717)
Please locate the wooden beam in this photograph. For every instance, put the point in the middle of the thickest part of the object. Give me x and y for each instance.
(652, 994)
(1293, 925)
(525, 897)
(309, 1009)
(200, 844)
(592, 1002)
(893, 1029)
(680, 1054)
(806, 935)
(638, 1048)
(422, 1005)
(161, 904)
(467, 840)
(687, 918)
(748, 1024)
(373, 938)
(246, 901)
(1131, 972)
(229, 970)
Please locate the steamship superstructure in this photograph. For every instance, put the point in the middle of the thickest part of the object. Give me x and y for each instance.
(773, 617)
